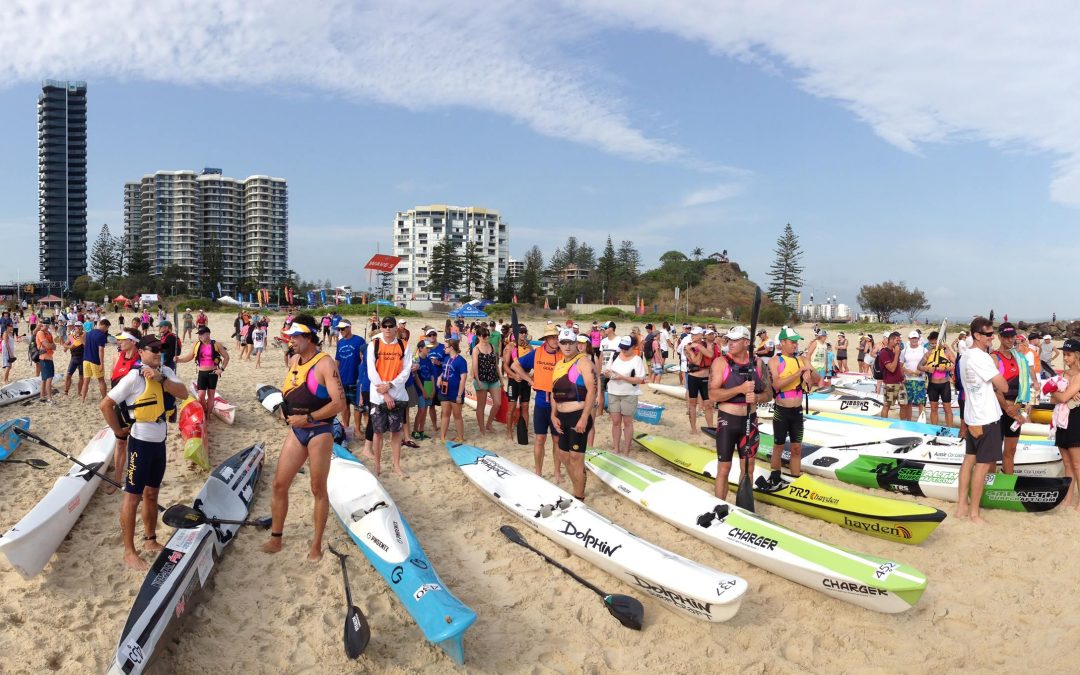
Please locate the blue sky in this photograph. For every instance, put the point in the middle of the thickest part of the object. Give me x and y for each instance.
(902, 143)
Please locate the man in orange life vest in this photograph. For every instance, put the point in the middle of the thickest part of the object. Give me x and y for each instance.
(541, 361)
(389, 366)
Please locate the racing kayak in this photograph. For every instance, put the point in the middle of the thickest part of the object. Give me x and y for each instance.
(673, 390)
(224, 410)
(859, 465)
(874, 583)
(683, 586)
(269, 396)
(373, 522)
(33, 540)
(915, 427)
(9, 440)
(890, 519)
(170, 589)
(1030, 459)
(20, 390)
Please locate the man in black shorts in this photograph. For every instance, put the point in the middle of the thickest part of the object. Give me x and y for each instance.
(518, 391)
(699, 358)
(982, 414)
(792, 378)
(938, 364)
(736, 387)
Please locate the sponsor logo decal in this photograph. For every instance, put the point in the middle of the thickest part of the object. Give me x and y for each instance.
(180, 606)
(849, 587)
(623, 488)
(395, 574)
(397, 533)
(752, 539)
(135, 654)
(493, 466)
(677, 599)
(375, 540)
(588, 539)
(803, 493)
(1027, 496)
(74, 503)
(175, 557)
(854, 405)
(419, 563)
(898, 531)
(725, 586)
(423, 590)
(926, 476)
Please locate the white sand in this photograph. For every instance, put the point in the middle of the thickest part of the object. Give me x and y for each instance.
(999, 597)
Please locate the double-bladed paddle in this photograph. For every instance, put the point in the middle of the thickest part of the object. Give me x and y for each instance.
(35, 463)
(629, 611)
(357, 631)
(182, 516)
(38, 440)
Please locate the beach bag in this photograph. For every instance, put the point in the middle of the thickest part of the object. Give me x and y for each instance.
(35, 353)
(649, 348)
(879, 374)
(192, 424)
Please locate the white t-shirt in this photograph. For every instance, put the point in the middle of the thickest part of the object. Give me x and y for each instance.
(128, 389)
(665, 340)
(259, 338)
(977, 368)
(910, 357)
(634, 367)
(681, 351)
(609, 349)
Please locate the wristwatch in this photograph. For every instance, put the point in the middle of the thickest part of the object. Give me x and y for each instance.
(310, 419)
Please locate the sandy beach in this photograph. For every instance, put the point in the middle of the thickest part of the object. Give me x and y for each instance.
(996, 601)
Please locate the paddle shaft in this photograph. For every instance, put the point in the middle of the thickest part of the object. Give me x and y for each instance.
(575, 577)
(34, 438)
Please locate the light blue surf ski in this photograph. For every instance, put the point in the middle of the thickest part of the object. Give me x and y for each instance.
(378, 529)
(9, 440)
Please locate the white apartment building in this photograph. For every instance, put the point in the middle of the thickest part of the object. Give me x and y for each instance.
(826, 312)
(515, 269)
(417, 231)
(172, 214)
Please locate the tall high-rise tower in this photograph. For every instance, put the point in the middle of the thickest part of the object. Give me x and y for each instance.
(62, 181)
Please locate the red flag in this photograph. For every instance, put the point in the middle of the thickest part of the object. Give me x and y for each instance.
(546, 305)
(515, 298)
(382, 263)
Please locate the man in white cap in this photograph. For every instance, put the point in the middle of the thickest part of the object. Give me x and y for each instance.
(914, 379)
(791, 378)
(609, 349)
(680, 350)
(699, 360)
(736, 388)
(351, 350)
(818, 354)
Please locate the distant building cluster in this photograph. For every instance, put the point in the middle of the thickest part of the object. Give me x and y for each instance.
(172, 216)
(418, 230)
(826, 311)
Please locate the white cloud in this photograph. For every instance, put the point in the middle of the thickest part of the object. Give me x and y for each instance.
(712, 194)
(918, 72)
(497, 56)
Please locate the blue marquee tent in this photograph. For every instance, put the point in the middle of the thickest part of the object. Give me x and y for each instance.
(467, 312)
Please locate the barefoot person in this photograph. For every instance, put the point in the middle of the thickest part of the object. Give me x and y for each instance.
(389, 362)
(487, 379)
(135, 410)
(573, 393)
(699, 358)
(791, 378)
(211, 358)
(540, 362)
(625, 375)
(1067, 433)
(982, 416)
(518, 391)
(312, 396)
(735, 388)
(451, 387)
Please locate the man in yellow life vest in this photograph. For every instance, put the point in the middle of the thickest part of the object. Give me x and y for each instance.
(135, 410)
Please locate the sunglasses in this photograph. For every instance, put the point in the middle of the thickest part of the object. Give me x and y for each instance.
(566, 342)
(389, 326)
(985, 333)
(153, 350)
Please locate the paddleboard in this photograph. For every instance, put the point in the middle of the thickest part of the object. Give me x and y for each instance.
(376, 526)
(673, 390)
(20, 390)
(183, 568)
(910, 426)
(857, 466)
(269, 396)
(32, 541)
(894, 520)
(873, 583)
(686, 587)
(9, 440)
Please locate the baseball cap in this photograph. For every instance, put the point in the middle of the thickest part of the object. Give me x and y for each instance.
(608, 324)
(762, 332)
(1007, 329)
(165, 323)
(188, 309)
(710, 331)
(1047, 337)
(202, 329)
(625, 342)
(788, 334)
(738, 333)
(913, 334)
(550, 331)
(566, 335)
(345, 324)
(1071, 345)
(148, 342)
(697, 330)
(822, 333)
(389, 322)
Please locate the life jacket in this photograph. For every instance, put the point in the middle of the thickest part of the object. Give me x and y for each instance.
(788, 368)
(388, 363)
(122, 366)
(196, 352)
(543, 367)
(733, 377)
(149, 406)
(707, 354)
(1014, 368)
(301, 392)
(567, 382)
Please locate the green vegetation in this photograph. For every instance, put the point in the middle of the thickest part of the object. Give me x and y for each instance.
(889, 297)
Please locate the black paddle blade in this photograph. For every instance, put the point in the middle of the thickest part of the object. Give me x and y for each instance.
(744, 497)
(181, 517)
(522, 430)
(629, 611)
(357, 633)
(512, 534)
(35, 463)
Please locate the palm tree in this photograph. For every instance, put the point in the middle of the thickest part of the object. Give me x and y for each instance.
(697, 253)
